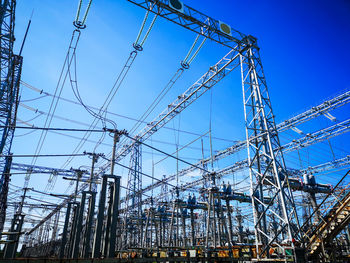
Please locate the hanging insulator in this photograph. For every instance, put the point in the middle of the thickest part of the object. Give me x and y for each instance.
(136, 44)
(80, 24)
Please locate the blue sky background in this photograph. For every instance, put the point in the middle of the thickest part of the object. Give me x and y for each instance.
(304, 50)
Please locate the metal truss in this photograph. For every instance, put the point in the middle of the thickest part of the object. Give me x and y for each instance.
(337, 219)
(268, 177)
(335, 164)
(10, 72)
(315, 137)
(133, 235)
(43, 169)
(294, 174)
(314, 112)
(193, 20)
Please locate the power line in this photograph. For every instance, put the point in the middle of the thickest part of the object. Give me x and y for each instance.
(41, 155)
(111, 113)
(53, 129)
(169, 155)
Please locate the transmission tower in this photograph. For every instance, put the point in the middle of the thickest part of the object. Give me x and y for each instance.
(10, 72)
(133, 214)
(268, 177)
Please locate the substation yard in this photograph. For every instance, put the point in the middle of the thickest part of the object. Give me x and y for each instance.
(152, 151)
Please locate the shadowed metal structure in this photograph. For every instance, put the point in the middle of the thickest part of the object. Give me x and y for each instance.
(10, 74)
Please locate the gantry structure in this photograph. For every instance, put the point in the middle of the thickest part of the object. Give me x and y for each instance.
(206, 224)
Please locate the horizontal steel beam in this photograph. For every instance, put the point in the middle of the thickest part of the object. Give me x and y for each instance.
(194, 21)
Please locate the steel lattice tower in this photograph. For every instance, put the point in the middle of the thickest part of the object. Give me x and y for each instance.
(272, 199)
(133, 203)
(10, 73)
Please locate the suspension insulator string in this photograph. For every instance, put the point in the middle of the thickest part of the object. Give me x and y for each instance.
(78, 11)
(139, 46)
(149, 29)
(197, 51)
(141, 29)
(190, 51)
(86, 12)
(81, 24)
(188, 60)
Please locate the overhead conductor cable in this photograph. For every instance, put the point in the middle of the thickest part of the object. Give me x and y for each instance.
(103, 109)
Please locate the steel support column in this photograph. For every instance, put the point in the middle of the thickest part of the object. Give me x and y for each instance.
(268, 175)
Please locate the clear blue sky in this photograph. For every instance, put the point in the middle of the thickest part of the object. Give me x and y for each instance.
(304, 50)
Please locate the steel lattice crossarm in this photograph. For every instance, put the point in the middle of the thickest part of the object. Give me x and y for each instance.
(316, 111)
(215, 73)
(43, 170)
(307, 140)
(241, 165)
(193, 20)
(342, 162)
(338, 163)
(318, 136)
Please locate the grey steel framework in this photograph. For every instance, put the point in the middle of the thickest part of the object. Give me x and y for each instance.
(262, 137)
(318, 136)
(311, 113)
(262, 124)
(10, 73)
(275, 219)
(268, 177)
(132, 230)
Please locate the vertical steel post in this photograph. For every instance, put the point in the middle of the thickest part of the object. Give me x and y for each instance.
(100, 219)
(109, 219)
(115, 217)
(230, 231)
(269, 180)
(75, 253)
(91, 210)
(193, 241)
(89, 222)
(73, 228)
(65, 228)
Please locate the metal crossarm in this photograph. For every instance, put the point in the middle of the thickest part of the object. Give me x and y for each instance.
(42, 169)
(321, 135)
(316, 111)
(338, 163)
(193, 20)
(307, 140)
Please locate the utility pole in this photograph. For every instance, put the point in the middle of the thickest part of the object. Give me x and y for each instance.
(116, 137)
(104, 242)
(91, 211)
